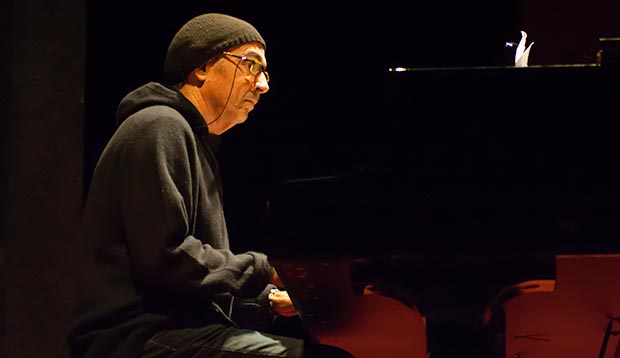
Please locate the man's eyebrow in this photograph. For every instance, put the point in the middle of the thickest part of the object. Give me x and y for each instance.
(255, 55)
(251, 52)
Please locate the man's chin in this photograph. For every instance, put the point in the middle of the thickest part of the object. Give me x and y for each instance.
(243, 118)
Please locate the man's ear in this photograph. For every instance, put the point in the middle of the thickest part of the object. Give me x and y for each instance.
(198, 75)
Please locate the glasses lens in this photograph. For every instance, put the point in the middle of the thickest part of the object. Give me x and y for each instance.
(256, 68)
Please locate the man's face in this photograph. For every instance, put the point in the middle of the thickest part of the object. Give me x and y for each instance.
(233, 85)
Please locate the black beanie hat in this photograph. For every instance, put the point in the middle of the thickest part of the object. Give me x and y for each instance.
(203, 37)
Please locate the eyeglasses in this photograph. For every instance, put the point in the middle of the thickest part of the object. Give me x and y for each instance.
(255, 66)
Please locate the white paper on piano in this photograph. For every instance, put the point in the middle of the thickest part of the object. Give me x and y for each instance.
(522, 54)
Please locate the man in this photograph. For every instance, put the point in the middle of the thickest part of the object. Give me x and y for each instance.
(157, 276)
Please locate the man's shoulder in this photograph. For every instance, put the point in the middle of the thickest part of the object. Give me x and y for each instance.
(159, 115)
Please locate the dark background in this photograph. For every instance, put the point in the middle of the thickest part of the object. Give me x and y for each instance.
(67, 63)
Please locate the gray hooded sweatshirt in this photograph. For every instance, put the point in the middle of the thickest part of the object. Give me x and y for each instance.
(153, 247)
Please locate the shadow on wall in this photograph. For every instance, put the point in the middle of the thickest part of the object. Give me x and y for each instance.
(5, 28)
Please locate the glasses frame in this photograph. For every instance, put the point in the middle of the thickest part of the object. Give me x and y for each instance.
(256, 67)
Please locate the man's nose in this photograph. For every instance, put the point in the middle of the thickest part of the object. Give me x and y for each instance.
(262, 86)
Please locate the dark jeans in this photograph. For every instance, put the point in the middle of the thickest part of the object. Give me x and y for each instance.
(220, 341)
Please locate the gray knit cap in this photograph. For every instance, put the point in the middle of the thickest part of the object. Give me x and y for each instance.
(203, 37)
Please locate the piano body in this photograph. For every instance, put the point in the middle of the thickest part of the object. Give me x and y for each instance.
(447, 185)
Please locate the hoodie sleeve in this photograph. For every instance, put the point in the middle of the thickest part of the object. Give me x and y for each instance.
(255, 313)
(163, 184)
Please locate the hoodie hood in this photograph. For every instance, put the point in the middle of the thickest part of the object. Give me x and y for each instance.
(156, 94)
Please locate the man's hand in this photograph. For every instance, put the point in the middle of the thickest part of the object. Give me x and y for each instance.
(281, 303)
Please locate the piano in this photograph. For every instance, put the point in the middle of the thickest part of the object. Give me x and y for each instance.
(444, 186)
